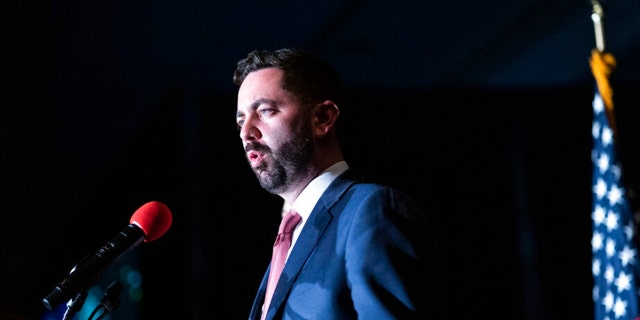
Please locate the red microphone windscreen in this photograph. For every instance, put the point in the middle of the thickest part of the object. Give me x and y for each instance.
(154, 218)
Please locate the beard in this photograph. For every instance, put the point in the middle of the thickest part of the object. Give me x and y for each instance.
(277, 172)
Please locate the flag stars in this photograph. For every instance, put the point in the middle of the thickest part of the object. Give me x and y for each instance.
(627, 255)
(623, 282)
(598, 104)
(620, 308)
(614, 195)
(615, 169)
(611, 220)
(615, 263)
(603, 163)
(607, 136)
(600, 189)
(607, 301)
(610, 248)
(595, 267)
(596, 241)
(628, 230)
(608, 274)
(598, 215)
(595, 129)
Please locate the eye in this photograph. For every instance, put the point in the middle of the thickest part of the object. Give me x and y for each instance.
(239, 122)
(266, 112)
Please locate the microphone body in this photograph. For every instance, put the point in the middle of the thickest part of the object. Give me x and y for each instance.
(148, 223)
(89, 270)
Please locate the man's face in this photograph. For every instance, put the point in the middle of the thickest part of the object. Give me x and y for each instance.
(274, 128)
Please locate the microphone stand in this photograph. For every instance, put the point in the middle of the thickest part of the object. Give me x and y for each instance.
(74, 305)
(109, 302)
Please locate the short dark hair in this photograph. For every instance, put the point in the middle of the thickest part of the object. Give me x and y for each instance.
(309, 77)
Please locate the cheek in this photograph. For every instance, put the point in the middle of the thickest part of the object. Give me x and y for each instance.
(276, 136)
(280, 135)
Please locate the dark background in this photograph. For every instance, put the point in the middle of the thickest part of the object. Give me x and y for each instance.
(480, 109)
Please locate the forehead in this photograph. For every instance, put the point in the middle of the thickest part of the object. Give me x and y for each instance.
(261, 82)
(262, 87)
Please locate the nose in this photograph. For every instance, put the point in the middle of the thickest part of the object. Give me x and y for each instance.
(249, 132)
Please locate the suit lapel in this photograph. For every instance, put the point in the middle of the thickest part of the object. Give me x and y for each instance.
(319, 219)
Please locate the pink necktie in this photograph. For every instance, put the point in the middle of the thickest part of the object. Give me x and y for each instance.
(279, 257)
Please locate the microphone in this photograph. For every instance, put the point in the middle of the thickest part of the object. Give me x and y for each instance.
(148, 223)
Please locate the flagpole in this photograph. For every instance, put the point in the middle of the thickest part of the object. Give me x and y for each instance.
(596, 16)
(602, 64)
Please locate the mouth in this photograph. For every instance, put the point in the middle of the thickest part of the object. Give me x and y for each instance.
(255, 157)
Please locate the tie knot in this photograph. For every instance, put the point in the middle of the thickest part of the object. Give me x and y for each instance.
(289, 222)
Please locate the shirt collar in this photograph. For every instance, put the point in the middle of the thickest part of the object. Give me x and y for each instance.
(306, 201)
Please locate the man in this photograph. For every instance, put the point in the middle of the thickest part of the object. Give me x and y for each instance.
(361, 250)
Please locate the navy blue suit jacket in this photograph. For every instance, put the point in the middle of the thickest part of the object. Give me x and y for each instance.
(364, 253)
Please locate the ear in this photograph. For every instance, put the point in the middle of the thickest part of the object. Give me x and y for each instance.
(325, 116)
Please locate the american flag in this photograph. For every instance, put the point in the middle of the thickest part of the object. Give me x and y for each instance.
(615, 264)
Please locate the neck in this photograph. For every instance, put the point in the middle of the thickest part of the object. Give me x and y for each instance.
(304, 178)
